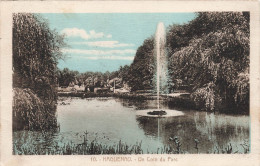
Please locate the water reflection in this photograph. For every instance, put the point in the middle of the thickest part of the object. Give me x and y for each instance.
(109, 120)
(212, 130)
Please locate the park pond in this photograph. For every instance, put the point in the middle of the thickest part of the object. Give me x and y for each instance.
(110, 120)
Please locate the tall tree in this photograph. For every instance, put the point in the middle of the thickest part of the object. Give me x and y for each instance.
(141, 71)
(36, 50)
(215, 61)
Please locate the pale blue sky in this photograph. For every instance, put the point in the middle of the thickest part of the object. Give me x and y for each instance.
(104, 41)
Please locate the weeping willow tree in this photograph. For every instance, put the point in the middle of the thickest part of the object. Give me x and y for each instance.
(215, 60)
(36, 50)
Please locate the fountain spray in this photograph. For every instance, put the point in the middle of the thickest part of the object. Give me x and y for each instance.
(161, 62)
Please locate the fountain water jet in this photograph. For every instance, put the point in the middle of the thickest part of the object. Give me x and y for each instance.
(160, 76)
(160, 54)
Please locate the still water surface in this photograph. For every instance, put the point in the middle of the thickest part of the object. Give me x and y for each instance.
(108, 120)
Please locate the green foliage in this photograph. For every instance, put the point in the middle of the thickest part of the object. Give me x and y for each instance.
(141, 71)
(66, 76)
(206, 98)
(179, 36)
(36, 50)
(216, 56)
(29, 112)
(123, 72)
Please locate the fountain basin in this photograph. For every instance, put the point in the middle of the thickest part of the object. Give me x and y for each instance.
(159, 113)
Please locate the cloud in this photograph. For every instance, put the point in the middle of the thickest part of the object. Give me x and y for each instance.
(99, 52)
(106, 44)
(76, 32)
(109, 36)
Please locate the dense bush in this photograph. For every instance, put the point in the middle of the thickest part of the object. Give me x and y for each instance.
(29, 112)
(206, 98)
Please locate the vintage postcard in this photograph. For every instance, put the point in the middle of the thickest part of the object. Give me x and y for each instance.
(130, 83)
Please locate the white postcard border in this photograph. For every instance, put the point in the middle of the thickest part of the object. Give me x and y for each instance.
(7, 8)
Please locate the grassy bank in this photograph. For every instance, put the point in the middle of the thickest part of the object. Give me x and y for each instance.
(94, 147)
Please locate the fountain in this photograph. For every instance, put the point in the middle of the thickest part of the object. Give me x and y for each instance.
(161, 79)
(160, 76)
(161, 63)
